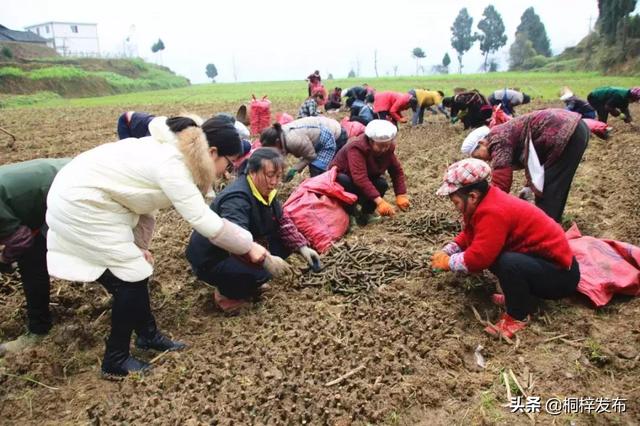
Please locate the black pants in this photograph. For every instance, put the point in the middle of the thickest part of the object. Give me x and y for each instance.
(32, 266)
(332, 105)
(368, 205)
(603, 114)
(237, 279)
(315, 171)
(524, 277)
(131, 310)
(558, 176)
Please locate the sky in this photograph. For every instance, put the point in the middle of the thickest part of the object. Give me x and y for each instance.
(259, 40)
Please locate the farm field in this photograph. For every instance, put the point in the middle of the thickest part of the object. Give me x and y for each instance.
(412, 339)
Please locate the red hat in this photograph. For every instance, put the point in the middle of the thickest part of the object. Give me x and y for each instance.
(463, 173)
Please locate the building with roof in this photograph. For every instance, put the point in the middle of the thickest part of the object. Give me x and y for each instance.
(69, 38)
(20, 36)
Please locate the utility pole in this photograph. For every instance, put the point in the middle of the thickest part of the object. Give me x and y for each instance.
(375, 61)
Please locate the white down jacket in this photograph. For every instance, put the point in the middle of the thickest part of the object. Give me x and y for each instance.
(98, 202)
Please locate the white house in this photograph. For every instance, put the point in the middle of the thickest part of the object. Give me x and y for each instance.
(69, 38)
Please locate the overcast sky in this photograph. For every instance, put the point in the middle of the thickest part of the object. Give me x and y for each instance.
(284, 40)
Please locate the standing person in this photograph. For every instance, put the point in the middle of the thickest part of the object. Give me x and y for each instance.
(309, 107)
(314, 145)
(362, 164)
(250, 202)
(132, 124)
(23, 203)
(335, 100)
(613, 100)
(389, 105)
(100, 215)
(524, 248)
(508, 99)
(425, 99)
(559, 138)
(314, 80)
(471, 107)
(577, 105)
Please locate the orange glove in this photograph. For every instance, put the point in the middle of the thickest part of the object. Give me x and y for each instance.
(402, 201)
(403, 120)
(385, 209)
(440, 260)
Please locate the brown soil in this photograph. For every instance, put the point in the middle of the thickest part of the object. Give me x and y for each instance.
(415, 337)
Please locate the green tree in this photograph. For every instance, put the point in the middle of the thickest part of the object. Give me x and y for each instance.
(492, 37)
(417, 53)
(521, 50)
(612, 18)
(533, 28)
(461, 37)
(446, 60)
(212, 72)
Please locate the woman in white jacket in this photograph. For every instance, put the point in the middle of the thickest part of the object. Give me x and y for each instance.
(101, 215)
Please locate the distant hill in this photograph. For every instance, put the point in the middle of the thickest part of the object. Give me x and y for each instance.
(27, 69)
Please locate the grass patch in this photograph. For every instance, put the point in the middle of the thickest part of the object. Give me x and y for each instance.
(12, 101)
(59, 72)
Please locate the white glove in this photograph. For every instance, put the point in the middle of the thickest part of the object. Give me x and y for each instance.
(312, 257)
(277, 266)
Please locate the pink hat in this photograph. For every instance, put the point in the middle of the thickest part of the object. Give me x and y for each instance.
(635, 93)
(463, 173)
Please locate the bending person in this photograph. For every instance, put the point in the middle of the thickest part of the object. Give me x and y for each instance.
(101, 216)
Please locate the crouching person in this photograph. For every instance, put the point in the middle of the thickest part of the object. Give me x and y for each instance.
(250, 202)
(515, 240)
(362, 164)
(23, 203)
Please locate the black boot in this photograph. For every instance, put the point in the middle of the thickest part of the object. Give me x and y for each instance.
(120, 364)
(159, 342)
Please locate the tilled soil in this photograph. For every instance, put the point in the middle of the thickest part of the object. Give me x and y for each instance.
(409, 339)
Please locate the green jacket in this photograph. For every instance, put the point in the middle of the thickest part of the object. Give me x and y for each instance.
(616, 97)
(23, 192)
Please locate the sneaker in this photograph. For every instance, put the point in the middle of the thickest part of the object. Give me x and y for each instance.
(229, 305)
(507, 326)
(498, 299)
(21, 343)
(113, 368)
(159, 342)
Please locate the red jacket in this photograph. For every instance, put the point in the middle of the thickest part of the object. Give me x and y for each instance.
(504, 223)
(357, 161)
(393, 102)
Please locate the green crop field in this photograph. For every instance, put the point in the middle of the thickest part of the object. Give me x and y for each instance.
(542, 85)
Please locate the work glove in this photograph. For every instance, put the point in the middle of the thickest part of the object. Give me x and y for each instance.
(277, 266)
(526, 193)
(454, 120)
(385, 209)
(290, 174)
(440, 261)
(148, 256)
(402, 201)
(312, 257)
(402, 120)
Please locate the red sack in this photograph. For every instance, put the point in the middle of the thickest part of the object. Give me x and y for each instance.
(315, 209)
(498, 116)
(597, 127)
(260, 114)
(283, 118)
(353, 128)
(607, 267)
